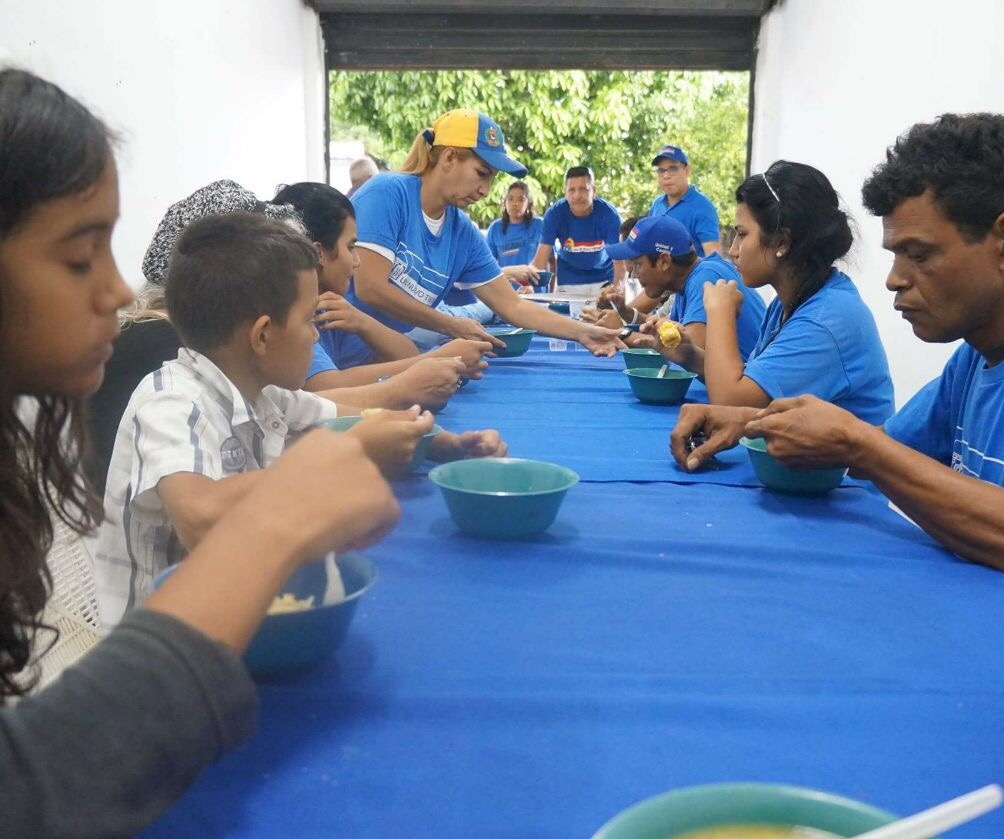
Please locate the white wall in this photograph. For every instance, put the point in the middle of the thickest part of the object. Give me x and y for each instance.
(198, 89)
(838, 80)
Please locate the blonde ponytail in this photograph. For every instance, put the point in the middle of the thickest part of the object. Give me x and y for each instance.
(419, 156)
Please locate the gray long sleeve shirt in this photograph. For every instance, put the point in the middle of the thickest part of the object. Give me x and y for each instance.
(110, 744)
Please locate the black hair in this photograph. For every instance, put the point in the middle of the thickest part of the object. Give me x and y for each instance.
(797, 201)
(683, 260)
(579, 172)
(228, 270)
(959, 158)
(627, 226)
(322, 208)
(51, 147)
(528, 215)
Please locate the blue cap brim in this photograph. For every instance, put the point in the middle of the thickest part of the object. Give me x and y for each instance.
(502, 162)
(622, 251)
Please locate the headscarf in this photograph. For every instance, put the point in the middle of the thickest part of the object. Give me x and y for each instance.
(217, 198)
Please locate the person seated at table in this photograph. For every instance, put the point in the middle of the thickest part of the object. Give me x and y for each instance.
(514, 236)
(818, 336)
(241, 291)
(940, 459)
(107, 747)
(416, 243)
(583, 225)
(662, 256)
(330, 222)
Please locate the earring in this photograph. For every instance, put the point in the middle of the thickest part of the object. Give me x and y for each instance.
(779, 254)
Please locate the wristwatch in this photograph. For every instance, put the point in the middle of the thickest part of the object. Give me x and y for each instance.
(624, 332)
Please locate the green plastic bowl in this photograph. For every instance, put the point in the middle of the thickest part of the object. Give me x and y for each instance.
(517, 340)
(714, 805)
(780, 478)
(417, 459)
(503, 497)
(639, 358)
(669, 389)
(292, 640)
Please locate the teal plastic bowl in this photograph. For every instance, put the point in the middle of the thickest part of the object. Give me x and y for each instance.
(543, 282)
(715, 805)
(503, 497)
(292, 640)
(641, 358)
(560, 307)
(669, 389)
(517, 340)
(417, 459)
(780, 478)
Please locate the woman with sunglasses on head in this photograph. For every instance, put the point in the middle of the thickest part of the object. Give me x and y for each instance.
(818, 336)
(106, 747)
(416, 243)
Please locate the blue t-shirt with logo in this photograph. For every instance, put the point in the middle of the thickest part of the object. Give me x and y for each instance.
(694, 211)
(958, 419)
(582, 242)
(688, 306)
(517, 245)
(829, 347)
(426, 266)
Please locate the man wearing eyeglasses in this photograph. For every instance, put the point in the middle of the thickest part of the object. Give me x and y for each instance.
(683, 202)
(583, 225)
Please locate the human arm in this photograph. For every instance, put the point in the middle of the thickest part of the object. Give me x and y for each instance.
(335, 312)
(723, 367)
(521, 273)
(710, 247)
(500, 297)
(713, 427)
(542, 258)
(429, 382)
(447, 446)
(372, 287)
(963, 513)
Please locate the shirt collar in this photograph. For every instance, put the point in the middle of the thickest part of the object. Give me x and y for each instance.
(225, 392)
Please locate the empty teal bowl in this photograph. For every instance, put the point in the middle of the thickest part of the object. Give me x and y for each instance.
(716, 805)
(503, 497)
(669, 389)
(517, 340)
(780, 478)
(291, 640)
(641, 358)
(417, 459)
(561, 307)
(543, 281)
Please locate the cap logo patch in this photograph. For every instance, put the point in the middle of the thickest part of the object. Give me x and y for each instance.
(491, 136)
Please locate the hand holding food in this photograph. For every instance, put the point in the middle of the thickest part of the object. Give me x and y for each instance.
(704, 430)
(669, 334)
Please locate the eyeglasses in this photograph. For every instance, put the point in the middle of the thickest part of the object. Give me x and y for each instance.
(772, 192)
(667, 170)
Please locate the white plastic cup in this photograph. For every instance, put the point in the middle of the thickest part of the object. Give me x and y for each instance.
(557, 344)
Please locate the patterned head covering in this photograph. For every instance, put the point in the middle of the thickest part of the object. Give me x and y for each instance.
(217, 198)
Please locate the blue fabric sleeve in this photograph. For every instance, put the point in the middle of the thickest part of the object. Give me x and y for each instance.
(481, 266)
(691, 302)
(494, 238)
(927, 422)
(803, 358)
(380, 212)
(320, 362)
(706, 227)
(549, 229)
(612, 228)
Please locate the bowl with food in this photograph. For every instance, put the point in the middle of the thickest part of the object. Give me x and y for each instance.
(662, 386)
(777, 477)
(516, 339)
(503, 497)
(309, 618)
(744, 811)
(421, 449)
(641, 357)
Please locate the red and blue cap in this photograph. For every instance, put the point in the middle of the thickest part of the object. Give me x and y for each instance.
(467, 129)
(652, 236)
(671, 153)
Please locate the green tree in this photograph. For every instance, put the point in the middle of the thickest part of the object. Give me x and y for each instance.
(611, 121)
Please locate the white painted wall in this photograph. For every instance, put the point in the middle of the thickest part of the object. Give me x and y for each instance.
(198, 89)
(838, 80)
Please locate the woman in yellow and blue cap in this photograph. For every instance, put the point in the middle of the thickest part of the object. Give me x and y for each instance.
(416, 244)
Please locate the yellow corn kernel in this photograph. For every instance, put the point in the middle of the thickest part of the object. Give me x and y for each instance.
(669, 334)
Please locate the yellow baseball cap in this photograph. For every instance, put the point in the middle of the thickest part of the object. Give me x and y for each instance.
(467, 129)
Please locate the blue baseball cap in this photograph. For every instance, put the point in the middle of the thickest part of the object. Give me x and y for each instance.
(671, 153)
(467, 129)
(653, 236)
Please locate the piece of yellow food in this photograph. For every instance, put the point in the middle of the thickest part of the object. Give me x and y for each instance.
(288, 602)
(669, 334)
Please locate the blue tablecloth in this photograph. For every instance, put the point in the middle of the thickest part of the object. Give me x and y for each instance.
(658, 635)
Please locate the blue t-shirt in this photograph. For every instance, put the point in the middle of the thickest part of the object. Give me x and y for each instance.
(582, 242)
(688, 306)
(518, 244)
(694, 211)
(958, 419)
(339, 350)
(829, 347)
(425, 266)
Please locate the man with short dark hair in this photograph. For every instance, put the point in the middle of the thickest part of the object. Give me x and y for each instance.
(683, 202)
(583, 225)
(940, 459)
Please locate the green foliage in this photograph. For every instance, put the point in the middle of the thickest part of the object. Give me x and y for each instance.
(611, 121)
